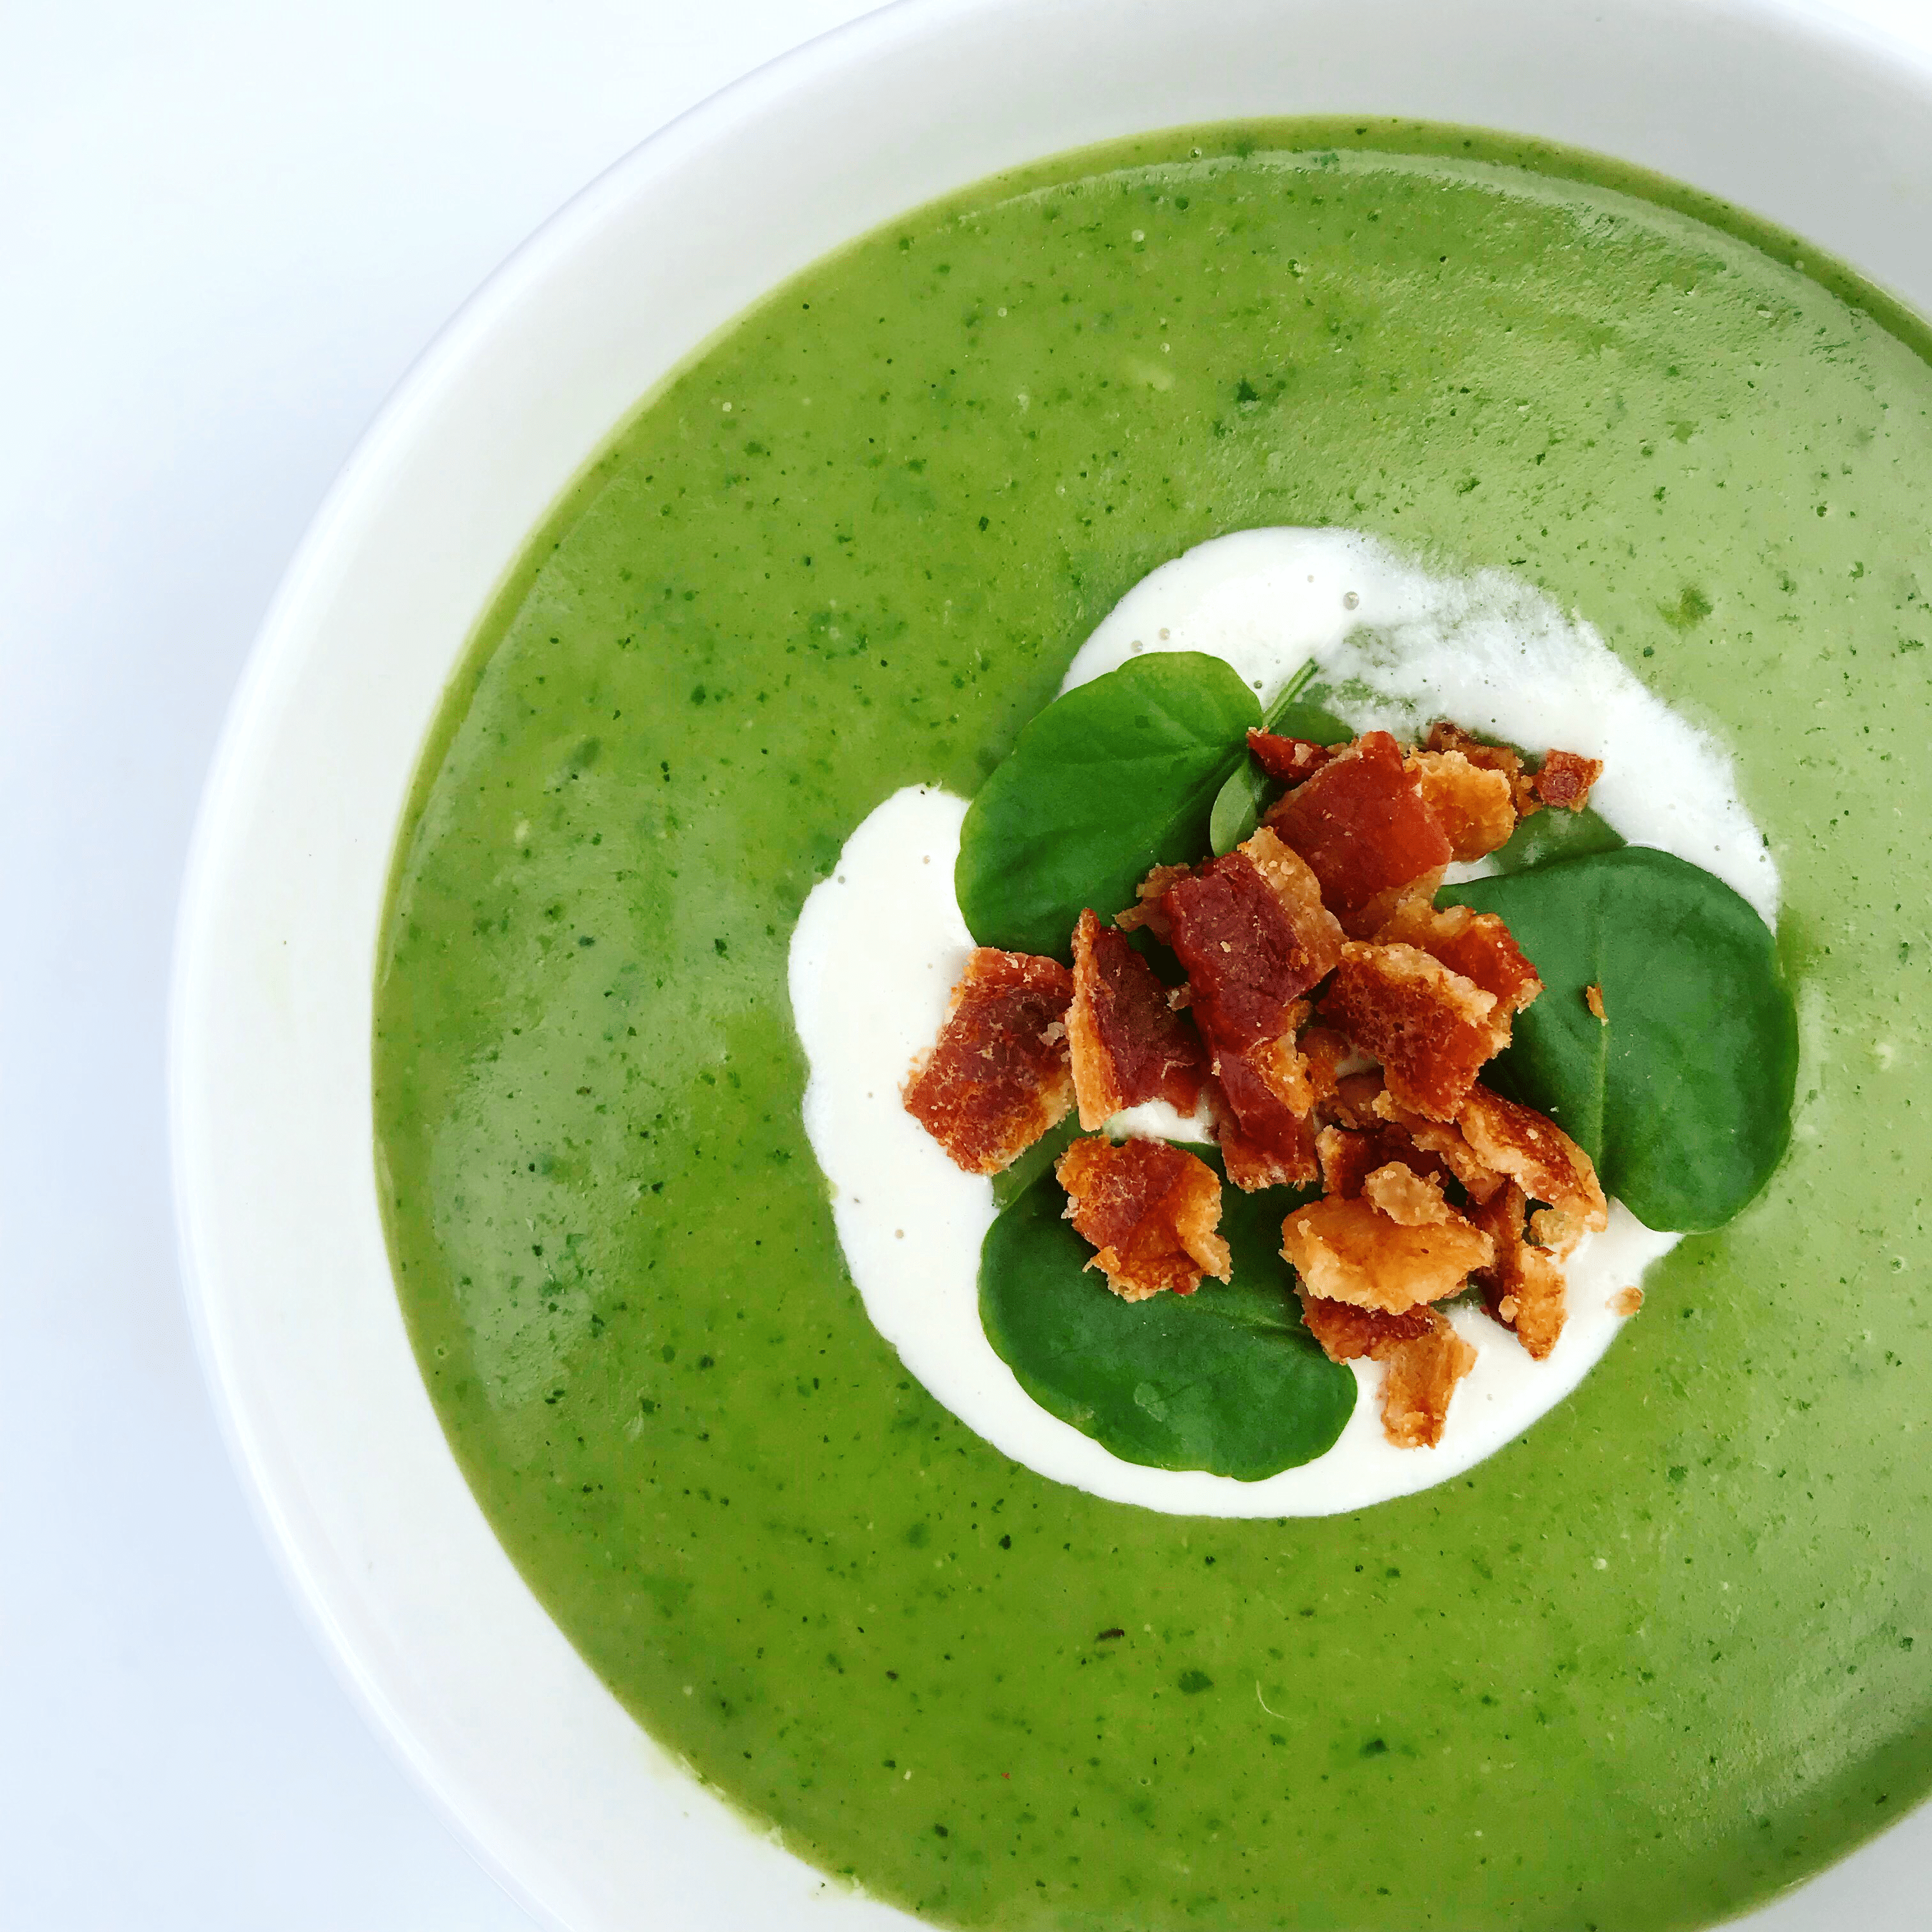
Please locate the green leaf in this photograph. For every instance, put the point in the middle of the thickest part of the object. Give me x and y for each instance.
(1682, 1095)
(1237, 807)
(1110, 779)
(1239, 803)
(1555, 833)
(1226, 1379)
(1010, 1183)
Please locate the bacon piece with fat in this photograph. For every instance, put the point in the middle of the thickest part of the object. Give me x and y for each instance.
(1523, 1286)
(997, 1078)
(1430, 1028)
(1150, 1210)
(1347, 1333)
(1475, 805)
(1425, 1359)
(1444, 736)
(1348, 1155)
(1127, 1044)
(1365, 831)
(1442, 1140)
(1288, 761)
(1421, 1378)
(1537, 1154)
(1147, 909)
(1324, 1053)
(1563, 779)
(1409, 1199)
(1478, 945)
(1351, 1251)
(1252, 931)
(1266, 1140)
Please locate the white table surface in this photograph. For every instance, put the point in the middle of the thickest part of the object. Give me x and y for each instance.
(225, 229)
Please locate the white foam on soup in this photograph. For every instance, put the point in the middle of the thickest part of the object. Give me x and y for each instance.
(881, 943)
(1405, 646)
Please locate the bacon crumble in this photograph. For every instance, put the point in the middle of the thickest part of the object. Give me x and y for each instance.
(998, 1077)
(1523, 1287)
(1475, 804)
(1445, 1142)
(1563, 779)
(1150, 1210)
(1252, 931)
(1430, 1028)
(1126, 1043)
(1265, 1141)
(1347, 1333)
(1351, 1251)
(1541, 1158)
(1444, 736)
(1422, 1377)
(1147, 909)
(1364, 826)
(1478, 945)
(1289, 761)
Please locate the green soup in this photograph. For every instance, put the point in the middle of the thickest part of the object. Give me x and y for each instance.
(1652, 1662)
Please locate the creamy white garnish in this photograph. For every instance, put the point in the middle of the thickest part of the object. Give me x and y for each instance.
(1406, 647)
(881, 943)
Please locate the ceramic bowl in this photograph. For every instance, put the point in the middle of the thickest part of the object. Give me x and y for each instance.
(1782, 108)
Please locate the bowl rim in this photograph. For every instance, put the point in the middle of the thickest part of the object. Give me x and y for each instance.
(289, 626)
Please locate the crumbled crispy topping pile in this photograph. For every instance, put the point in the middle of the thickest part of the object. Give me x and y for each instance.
(1336, 1024)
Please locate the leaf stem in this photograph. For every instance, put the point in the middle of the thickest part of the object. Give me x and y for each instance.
(1288, 694)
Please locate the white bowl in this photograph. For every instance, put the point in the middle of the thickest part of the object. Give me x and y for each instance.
(1783, 108)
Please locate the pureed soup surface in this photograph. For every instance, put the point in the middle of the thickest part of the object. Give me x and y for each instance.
(1652, 1662)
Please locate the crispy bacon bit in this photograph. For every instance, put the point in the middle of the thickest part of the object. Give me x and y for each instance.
(1523, 1286)
(998, 1077)
(1445, 1142)
(1150, 1209)
(1351, 1251)
(1147, 909)
(1625, 1302)
(1444, 737)
(1353, 1102)
(1409, 1199)
(1265, 1141)
(1430, 1028)
(1349, 1156)
(1325, 1053)
(1284, 1067)
(1253, 940)
(1478, 945)
(1475, 805)
(1288, 760)
(1346, 1333)
(1421, 1379)
(1362, 824)
(1542, 1159)
(1593, 998)
(1127, 1044)
(1565, 779)
(1293, 882)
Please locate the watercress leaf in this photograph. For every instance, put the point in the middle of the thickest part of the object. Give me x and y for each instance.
(1304, 720)
(1546, 836)
(1237, 807)
(1226, 1379)
(1110, 779)
(1682, 1093)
